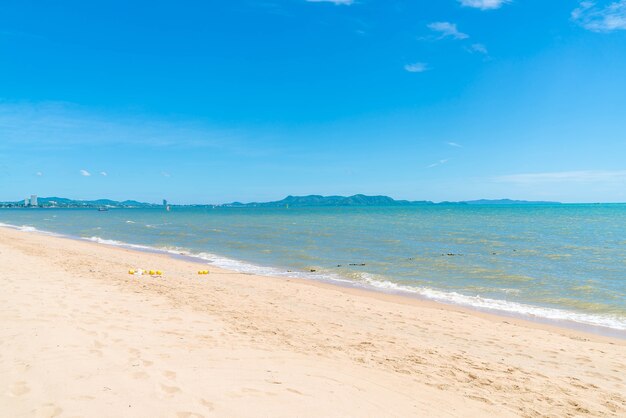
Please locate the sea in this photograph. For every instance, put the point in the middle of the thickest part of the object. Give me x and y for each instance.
(563, 264)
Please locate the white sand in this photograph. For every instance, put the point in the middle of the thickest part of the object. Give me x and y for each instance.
(81, 337)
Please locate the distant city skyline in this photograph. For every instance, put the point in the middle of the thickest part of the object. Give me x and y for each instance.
(256, 100)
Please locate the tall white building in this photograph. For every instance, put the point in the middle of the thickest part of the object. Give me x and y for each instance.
(33, 200)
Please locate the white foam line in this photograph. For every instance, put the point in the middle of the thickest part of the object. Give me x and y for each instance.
(28, 228)
(120, 243)
(477, 301)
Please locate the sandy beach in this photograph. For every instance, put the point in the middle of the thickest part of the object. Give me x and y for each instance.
(79, 336)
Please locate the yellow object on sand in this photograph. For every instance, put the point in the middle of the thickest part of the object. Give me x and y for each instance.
(131, 271)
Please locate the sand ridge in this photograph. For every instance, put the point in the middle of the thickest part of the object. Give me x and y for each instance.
(81, 337)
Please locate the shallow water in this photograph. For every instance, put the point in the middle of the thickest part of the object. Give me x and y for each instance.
(558, 262)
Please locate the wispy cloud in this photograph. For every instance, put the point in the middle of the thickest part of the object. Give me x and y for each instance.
(603, 17)
(447, 29)
(39, 174)
(583, 176)
(85, 173)
(417, 67)
(165, 174)
(440, 162)
(479, 48)
(484, 4)
(336, 2)
(104, 173)
(454, 144)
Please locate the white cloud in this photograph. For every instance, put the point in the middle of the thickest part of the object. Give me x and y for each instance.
(39, 173)
(454, 144)
(447, 29)
(336, 2)
(583, 176)
(480, 48)
(165, 174)
(440, 162)
(417, 67)
(484, 4)
(104, 173)
(607, 17)
(85, 173)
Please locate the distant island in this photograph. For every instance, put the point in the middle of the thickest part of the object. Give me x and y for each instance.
(363, 200)
(358, 200)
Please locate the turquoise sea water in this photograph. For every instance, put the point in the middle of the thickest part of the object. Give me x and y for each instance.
(564, 262)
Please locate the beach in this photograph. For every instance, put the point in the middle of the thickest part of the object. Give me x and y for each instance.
(81, 337)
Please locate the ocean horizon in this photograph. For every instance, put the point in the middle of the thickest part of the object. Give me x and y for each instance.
(555, 263)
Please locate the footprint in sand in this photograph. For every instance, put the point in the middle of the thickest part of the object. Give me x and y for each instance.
(140, 375)
(19, 389)
(207, 404)
(170, 374)
(170, 390)
(96, 352)
(48, 411)
(21, 366)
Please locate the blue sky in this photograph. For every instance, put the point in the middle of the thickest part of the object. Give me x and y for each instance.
(211, 101)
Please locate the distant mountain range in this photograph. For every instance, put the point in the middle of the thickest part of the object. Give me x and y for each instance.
(363, 200)
(317, 200)
(509, 202)
(358, 200)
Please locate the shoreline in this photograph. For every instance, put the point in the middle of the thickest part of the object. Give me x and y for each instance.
(494, 315)
(498, 314)
(81, 335)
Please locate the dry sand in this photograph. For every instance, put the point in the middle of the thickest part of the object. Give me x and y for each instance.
(81, 337)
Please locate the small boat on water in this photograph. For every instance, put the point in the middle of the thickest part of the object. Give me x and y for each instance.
(102, 209)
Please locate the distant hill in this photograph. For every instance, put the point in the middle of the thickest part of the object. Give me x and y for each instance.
(363, 200)
(509, 202)
(317, 200)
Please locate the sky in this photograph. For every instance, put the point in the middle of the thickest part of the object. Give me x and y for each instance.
(245, 100)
